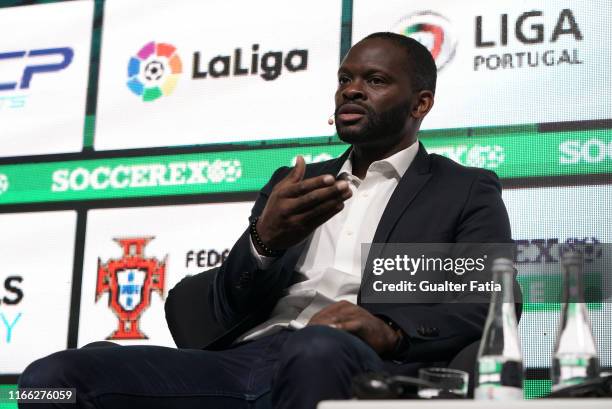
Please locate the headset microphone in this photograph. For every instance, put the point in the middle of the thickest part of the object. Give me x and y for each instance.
(330, 120)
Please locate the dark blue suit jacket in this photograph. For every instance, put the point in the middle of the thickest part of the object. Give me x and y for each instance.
(436, 201)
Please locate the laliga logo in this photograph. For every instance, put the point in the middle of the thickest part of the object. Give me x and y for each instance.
(154, 71)
(433, 31)
(129, 281)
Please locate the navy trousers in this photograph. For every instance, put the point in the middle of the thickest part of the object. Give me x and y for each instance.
(290, 369)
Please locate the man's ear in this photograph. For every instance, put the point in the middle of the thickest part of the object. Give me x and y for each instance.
(423, 102)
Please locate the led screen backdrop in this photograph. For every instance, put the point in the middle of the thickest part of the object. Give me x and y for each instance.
(145, 128)
(176, 240)
(179, 69)
(45, 68)
(540, 218)
(36, 278)
(505, 62)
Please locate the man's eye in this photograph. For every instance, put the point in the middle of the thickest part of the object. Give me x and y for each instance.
(376, 81)
(343, 80)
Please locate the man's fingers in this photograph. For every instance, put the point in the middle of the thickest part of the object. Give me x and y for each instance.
(301, 187)
(297, 173)
(333, 313)
(339, 310)
(353, 326)
(320, 214)
(325, 320)
(337, 192)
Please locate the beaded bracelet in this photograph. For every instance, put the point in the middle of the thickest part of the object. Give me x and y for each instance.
(266, 251)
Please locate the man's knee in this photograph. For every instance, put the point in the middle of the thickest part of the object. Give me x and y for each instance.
(322, 344)
(60, 369)
(317, 363)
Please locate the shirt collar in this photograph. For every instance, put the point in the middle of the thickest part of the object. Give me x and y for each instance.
(398, 163)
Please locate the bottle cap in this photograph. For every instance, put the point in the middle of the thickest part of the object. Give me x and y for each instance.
(571, 256)
(503, 264)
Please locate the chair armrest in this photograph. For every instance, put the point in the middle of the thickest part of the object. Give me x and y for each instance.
(465, 361)
(188, 313)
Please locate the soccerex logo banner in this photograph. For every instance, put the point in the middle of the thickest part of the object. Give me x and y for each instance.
(193, 72)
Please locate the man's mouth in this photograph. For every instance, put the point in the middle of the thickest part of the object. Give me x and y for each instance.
(349, 113)
(350, 117)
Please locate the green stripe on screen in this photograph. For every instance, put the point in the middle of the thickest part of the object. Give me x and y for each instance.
(4, 404)
(514, 152)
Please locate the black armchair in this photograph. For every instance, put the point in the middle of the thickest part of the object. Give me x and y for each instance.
(190, 320)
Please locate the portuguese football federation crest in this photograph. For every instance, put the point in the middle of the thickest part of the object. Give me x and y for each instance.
(129, 281)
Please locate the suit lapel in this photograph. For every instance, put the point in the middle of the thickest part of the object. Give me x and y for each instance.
(408, 188)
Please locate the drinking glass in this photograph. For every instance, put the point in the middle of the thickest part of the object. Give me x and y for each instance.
(449, 383)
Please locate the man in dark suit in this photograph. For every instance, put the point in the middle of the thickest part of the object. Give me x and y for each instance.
(288, 292)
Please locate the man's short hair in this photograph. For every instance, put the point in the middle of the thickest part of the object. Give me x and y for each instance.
(421, 63)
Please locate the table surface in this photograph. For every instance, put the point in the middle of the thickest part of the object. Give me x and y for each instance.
(468, 404)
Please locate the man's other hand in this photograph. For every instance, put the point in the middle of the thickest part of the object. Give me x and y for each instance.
(358, 321)
(296, 207)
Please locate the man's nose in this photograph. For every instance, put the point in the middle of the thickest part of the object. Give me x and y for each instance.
(353, 91)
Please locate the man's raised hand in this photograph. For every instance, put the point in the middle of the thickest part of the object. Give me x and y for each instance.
(297, 206)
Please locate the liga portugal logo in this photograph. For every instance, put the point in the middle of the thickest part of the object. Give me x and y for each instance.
(129, 281)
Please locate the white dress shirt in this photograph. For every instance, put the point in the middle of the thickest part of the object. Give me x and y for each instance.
(329, 269)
